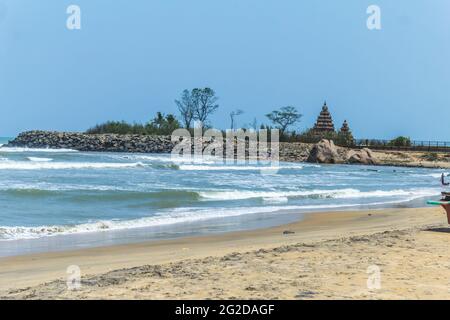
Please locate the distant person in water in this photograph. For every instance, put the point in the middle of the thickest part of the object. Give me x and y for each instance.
(443, 180)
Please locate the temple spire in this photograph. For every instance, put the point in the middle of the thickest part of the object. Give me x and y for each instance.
(345, 128)
(324, 122)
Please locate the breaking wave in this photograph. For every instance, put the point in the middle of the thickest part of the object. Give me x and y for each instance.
(20, 149)
(37, 159)
(174, 159)
(179, 215)
(237, 168)
(314, 194)
(47, 165)
(176, 216)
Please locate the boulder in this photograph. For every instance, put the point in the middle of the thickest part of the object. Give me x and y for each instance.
(363, 156)
(325, 152)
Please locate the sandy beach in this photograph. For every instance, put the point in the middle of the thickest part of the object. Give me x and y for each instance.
(326, 256)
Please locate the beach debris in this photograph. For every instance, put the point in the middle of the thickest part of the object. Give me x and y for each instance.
(305, 294)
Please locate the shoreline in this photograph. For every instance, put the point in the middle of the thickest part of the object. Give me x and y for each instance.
(289, 151)
(66, 242)
(316, 230)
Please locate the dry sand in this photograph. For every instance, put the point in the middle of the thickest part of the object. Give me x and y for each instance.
(413, 159)
(326, 256)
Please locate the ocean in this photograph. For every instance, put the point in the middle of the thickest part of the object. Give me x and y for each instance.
(63, 199)
(4, 140)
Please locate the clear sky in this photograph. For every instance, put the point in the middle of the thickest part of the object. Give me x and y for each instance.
(133, 58)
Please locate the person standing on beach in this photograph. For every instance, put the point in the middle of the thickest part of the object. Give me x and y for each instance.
(445, 194)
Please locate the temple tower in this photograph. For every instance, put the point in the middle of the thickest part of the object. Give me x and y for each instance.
(345, 128)
(324, 121)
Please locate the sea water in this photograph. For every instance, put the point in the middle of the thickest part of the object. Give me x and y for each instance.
(59, 199)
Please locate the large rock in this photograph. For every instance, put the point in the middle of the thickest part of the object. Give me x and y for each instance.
(363, 156)
(325, 152)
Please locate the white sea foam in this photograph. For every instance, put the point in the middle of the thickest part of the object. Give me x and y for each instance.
(334, 194)
(38, 159)
(237, 168)
(44, 186)
(25, 165)
(173, 159)
(20, 150)
(438, 175)
(276, 199)
(179, 215)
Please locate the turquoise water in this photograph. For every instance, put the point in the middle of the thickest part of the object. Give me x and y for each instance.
(57, 193)
(4, 140)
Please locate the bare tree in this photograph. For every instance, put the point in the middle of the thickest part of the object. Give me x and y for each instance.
(233, 114)
(204, 101)
(284, 118)
(186, 108)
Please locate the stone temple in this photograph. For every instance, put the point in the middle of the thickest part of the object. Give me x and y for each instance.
(324, 122)
(345, 128)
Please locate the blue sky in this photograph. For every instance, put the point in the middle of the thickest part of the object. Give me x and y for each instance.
(133, 58)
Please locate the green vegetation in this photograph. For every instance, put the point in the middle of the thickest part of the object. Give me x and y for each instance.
(197, 104)
(400, 142)
(309, 136)
(119, 127)
(160, 125)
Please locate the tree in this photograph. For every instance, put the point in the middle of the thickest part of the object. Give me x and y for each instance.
(159, 120)
(162, 125)
(204, 101)
(284, 118)
(400, 142)
(233, 114)
(186, 108)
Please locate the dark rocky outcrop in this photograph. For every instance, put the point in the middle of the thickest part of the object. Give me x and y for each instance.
(323, 152)
(127, 143)
(294, 151)
(93, 142)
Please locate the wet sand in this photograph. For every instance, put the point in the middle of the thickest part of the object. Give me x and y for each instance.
(326, 256)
